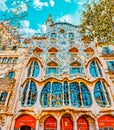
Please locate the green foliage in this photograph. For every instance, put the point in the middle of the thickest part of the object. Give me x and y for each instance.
(16, 12)
(98, 21)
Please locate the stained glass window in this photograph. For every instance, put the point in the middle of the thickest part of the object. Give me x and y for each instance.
(85, 95)
(3, 97)
(29, 94)
(33, 69)
(56, 94)
(101, 94)
(95, 69)
(45, 95)
(75, 94)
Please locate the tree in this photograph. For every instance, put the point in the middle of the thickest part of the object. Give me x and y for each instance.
(10, 22)
(98, 22)
(16, 12)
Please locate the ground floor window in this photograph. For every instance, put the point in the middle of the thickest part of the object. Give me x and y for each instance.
(25, 122)
(50, 124)
(82, 124)
(66, 123)
(106, 123)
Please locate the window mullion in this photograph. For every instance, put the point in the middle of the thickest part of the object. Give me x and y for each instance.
(27, 94)
(81, 96)
(51, 96)
(32, 68)
(104, 91)
(69, 95)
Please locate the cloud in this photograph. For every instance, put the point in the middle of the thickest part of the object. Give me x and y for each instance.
(19, 7)
(25, 29)
(41, 28)
(38, 4)
(73, 18)
(52, 3)
(3, 6)
(67, 1)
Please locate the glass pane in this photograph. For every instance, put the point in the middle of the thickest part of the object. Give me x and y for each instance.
(75, 94)
(45, 95)
(56, 94)
(35, 69)
(11, 75)
(75, 70)
(50, 70)
(93, 69)
(86, 95)
(100, 96)
(3, 97)
(29, 94)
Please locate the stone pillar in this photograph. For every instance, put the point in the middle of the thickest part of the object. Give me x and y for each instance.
(7, 99)
(37, 124)
(74, 123)
(96, 124)
(58, 123)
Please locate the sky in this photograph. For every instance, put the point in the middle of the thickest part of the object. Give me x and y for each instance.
(39, 10)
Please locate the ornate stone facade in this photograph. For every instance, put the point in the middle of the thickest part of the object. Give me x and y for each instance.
(56, 81)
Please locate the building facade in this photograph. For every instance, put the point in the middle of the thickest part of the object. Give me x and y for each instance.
(55, 81)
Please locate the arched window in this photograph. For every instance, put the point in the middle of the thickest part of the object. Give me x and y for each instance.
(3, 97)
(95, 69)
(106, 122)
(4, 60)
(75, 94)
(10, 60)
(66, 122)
(29, 94)
(25, 122)
(85, 95)
(82, 124)
(101, 94)
(50, 124)
(56, 94)
(11, 75)
(33, 69)
(15, 60)
(45, 95)
(66, 95)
